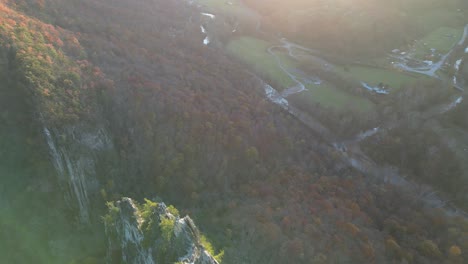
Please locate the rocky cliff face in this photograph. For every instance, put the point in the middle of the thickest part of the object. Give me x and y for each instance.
(151, 233)
(74, 161)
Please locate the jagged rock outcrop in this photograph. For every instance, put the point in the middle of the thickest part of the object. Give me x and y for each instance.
(151, 233)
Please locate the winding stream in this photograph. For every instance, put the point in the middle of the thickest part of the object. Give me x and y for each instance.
(300, 86)
(206, 40)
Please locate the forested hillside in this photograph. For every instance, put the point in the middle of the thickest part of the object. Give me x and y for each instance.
(122, 99)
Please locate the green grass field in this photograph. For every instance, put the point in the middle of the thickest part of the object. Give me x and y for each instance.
(374, 76)
(442, 39)
(329, 96)
(254, 52)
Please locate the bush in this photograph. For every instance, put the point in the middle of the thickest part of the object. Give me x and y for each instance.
(392, 247)
(167, 230)
(430, 249)
(147, 209)
(173, 211)
(112, 213)
(209, 247)
(454, 251)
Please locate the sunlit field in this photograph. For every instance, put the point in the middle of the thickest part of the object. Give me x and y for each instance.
(374, 76)
(330, 97)
(254, 52)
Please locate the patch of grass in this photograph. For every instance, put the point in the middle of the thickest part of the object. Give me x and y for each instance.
(442, 39)
(254, 52)
(209, 247)
(374, 76)
(330, 96)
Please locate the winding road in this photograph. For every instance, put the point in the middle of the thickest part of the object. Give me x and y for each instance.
(428, 69)
(300, 87)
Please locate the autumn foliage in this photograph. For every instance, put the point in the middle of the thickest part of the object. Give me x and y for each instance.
(194, 127)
